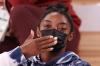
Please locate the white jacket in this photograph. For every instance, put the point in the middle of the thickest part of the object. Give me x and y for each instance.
(5, 60)
(11, 58)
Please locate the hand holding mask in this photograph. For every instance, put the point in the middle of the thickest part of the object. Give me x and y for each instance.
(60, 35)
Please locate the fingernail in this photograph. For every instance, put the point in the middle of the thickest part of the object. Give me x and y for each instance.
(51, 36)
(32, 33)
(55, 38)
(55, 42)
(51, 48)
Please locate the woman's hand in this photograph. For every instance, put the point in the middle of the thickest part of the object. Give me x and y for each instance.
(33, 47)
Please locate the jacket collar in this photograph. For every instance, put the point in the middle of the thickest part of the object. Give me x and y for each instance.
(66, 57)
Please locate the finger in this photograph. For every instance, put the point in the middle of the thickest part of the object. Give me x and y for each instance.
(44, 38)
(31, 35)
(48, 45)
(49, 41)
(46, 50)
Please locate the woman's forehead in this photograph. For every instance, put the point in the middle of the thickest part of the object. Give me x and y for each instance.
(56, 16)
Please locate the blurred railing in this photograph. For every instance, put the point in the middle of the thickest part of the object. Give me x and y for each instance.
(90, 47)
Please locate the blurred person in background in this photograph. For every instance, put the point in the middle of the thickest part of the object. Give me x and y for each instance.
(1, 2)
(16, 35)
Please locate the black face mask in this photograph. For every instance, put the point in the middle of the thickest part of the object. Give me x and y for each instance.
(61, 38)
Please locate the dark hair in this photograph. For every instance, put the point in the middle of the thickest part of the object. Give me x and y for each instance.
(62, 9)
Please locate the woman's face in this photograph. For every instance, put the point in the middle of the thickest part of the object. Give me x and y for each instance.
(56, 21)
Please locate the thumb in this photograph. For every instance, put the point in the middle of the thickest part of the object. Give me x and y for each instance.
(31, 35)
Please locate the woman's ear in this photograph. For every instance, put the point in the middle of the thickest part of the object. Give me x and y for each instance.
(70, 36)
(38, 32)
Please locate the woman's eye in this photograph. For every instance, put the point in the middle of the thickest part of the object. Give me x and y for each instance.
(47, 26)
(62, 29)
